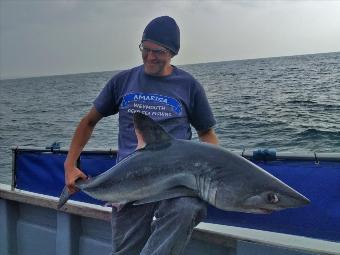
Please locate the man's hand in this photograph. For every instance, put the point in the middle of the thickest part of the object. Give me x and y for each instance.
(72, 174)
(208, 136)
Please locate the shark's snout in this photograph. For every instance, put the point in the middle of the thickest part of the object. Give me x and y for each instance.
(298, 200)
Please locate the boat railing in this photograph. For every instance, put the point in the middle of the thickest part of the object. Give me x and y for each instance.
(38, 179)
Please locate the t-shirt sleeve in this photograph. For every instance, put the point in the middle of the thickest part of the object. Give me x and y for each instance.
(201, 116)
(105, 103)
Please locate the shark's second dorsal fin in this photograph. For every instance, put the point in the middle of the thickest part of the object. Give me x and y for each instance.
(149, 131)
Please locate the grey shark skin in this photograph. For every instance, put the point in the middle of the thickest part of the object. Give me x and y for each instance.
(166, 168)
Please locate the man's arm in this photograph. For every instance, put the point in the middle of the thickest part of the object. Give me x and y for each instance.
(79, 140)
(208, 136)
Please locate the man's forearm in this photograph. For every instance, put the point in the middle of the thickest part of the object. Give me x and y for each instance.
(81, 136)
(79, 140)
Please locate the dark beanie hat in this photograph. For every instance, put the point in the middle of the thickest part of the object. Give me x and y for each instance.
(163, 31)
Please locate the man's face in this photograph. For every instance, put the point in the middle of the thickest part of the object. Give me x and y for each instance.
(156, 59)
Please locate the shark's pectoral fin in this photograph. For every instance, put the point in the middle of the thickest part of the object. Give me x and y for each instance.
(170, 193)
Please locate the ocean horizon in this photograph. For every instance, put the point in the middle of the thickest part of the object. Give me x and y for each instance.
(15, 77)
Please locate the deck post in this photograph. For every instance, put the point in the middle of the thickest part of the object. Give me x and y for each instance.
(68, 232)
(8, 221)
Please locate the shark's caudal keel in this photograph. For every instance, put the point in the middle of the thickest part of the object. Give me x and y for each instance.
(168, 168)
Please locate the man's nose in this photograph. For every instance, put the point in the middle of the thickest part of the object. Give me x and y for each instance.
(151, 55)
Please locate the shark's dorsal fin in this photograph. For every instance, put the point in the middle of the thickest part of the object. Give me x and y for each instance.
(149, 132)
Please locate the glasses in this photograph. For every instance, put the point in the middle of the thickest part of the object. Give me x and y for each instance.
(157, 52)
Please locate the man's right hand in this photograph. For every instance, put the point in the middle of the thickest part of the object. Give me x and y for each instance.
(72, 174)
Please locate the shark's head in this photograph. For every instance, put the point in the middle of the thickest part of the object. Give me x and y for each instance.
(256, 191)
(261, 199)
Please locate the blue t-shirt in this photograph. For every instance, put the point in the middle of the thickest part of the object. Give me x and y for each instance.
(174, 101)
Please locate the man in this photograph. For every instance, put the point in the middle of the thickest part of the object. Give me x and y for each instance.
(175, 100)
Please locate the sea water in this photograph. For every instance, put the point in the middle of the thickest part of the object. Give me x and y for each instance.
(287, 103)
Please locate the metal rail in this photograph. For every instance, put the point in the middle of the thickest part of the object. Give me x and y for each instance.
(313, 156)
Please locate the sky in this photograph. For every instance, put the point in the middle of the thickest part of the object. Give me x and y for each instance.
(39, 38)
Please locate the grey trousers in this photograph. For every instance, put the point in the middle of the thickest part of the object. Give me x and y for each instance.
(134, 232)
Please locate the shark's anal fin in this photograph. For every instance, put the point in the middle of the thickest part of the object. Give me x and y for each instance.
(118, 206)
(179, 191)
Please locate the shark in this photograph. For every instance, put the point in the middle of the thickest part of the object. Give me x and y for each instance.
(163, 167)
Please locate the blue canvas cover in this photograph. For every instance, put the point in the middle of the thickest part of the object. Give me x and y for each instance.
(42, 172)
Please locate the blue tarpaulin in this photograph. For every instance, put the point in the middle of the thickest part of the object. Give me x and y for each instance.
(42, 172)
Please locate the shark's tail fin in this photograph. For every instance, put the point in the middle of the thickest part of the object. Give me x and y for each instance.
(64, 196)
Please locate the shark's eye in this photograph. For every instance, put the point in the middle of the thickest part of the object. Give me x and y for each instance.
(272, 198)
